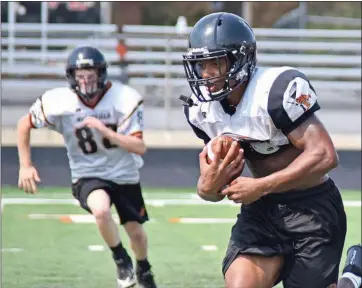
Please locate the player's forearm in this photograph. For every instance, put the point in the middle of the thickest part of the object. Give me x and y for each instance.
(23, 141)
(131, 143)
(310, 164)
(208, 195)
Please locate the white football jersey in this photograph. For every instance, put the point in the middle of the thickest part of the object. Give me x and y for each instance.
(274, 103)
(89, 153)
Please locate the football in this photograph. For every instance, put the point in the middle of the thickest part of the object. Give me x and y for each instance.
(226, 142)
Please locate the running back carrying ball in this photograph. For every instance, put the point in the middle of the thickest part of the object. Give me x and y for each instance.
(212, 146)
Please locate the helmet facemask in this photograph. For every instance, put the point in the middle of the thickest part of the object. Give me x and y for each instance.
(86, 86)
(240, 65)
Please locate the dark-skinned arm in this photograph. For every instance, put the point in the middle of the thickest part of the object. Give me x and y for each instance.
(318, 158)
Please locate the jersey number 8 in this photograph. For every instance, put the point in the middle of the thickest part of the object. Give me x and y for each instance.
(86, 141)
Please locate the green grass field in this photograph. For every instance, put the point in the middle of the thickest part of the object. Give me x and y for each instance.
(52, 254)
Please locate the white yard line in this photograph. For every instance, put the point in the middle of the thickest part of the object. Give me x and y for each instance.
(66, 195)
(350, 203)
(149, 202)
(202, 220)
(209, 247)
(73, 218)
(96, 248)
(11, 250)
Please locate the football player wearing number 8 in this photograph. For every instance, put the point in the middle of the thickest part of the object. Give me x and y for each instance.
(101, 123)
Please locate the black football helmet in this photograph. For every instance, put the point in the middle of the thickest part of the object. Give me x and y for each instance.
(216, 36)
(86, 57)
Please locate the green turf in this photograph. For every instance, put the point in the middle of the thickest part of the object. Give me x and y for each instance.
(62, 192)
(55, 254)
(50, 190)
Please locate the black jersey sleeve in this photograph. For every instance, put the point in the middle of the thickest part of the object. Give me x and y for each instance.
(291, 100)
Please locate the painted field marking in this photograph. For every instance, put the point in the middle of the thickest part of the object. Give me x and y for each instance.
(96, 248)
(68, 195)
(149, 202)
(69, 218)
(87, 219)
(11, 250)
(73, 218)
(209, 247)
(349, 203)
(202, 220)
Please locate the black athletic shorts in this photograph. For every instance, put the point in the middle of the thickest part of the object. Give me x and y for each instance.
(307, 227)
(127, 198)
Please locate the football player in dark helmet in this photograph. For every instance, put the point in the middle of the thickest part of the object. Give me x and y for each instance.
(86, 72)
(292, 224)
(102, 126)
(223, 41)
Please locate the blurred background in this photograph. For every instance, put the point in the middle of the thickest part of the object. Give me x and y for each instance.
(143, 42)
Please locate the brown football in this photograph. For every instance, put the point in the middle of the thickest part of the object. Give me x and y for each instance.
(226, 144)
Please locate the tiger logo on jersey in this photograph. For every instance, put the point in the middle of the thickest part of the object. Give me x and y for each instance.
(298, 98)
(304, 101)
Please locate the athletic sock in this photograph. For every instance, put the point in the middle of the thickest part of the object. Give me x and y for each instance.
(120, 254)
(143, 265)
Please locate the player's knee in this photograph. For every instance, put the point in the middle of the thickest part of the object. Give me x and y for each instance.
(102, 214)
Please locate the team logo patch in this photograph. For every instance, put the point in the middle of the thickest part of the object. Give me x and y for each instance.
(304, 101)
(299, 97)
(332, 286)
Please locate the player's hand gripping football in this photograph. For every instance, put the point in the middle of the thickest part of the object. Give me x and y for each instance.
(218, 173)
(28, 176)
(244, 190)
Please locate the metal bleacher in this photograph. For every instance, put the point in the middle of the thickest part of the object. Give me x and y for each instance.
(329, 57)
(33, 58)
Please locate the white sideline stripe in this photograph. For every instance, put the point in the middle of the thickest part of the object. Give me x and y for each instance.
(11, 250)
(146, 195)
(73, 218)
(349, 203)
(30, 201)
(203, 220)
(153, 202)
(209, 247)
(96, 248)
(86, 219)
